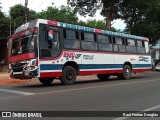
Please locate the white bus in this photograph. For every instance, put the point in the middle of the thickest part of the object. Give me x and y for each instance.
(49, 49)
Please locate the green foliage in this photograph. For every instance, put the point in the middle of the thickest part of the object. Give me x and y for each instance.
(99, 24)
(109, 8)
(0, 7)
(84, 7)
(4, 25)
(32, 15)
(1, 13)
(17, 14)
(141, 17)
(62, 14)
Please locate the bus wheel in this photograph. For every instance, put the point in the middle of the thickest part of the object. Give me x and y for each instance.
(68, 75)
(46, 81)
(103, 76)
(126, 75)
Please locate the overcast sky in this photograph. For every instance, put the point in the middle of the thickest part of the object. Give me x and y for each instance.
(39, 5)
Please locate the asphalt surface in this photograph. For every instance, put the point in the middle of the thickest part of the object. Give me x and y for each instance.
(140, 93)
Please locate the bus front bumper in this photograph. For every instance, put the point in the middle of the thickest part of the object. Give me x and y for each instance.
(21, 75)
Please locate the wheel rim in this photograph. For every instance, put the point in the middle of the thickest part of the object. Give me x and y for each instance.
(69, 75)
(127, 72)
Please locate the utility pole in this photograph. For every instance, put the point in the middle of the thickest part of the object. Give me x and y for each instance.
(26, 10)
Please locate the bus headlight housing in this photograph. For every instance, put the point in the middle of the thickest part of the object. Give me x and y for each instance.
(30, 68)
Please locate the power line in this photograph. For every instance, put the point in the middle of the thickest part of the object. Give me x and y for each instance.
(40, 5)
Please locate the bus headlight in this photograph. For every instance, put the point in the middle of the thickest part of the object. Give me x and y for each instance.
(30, 68)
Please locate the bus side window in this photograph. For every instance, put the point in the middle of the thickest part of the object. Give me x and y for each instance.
(53, 39)
(105, 43)
(50, 38)
(140, 47)
(88, 41)
(71, 39)
(119, 44)
(131, 46)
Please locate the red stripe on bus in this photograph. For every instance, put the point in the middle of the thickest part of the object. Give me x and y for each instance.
(20, 57)
(100, 72)
(59, 74)
(98, 30)
(141, 70)
(50, 74)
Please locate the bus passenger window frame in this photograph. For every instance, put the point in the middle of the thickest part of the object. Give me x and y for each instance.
(93, 41)
(142, 43)
(69, 42)
(82, 36)
(132, 46)
(141, 48)
(65, 35)
(102, 43)
(109, 37)
(51, 41)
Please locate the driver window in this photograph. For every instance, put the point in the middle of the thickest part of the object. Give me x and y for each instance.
(50, 38)
(53, 39)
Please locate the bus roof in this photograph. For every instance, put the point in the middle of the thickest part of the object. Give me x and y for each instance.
(33, 23)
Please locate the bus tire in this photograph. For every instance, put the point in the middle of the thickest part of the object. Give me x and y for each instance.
(126, 75)
(103, 76)
(46, 81)
(68, 75)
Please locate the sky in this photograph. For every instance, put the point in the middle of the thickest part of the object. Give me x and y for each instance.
(39, 5)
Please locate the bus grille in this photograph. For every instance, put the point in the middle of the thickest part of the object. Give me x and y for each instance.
(17, 66)
(19, 69)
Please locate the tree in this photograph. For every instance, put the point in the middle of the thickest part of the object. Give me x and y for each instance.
(4, 24)
(0, 7)
(100, 24)
(17, 14)
(141, 17)
(62, 14)
(133, 12)
(109, 8)
(1, 13)
(32, 15)
(4, 27)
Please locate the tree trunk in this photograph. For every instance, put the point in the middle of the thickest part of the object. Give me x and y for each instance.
(108, 22)
(110, 15)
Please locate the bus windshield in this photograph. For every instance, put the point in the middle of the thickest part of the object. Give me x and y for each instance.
(23, 42)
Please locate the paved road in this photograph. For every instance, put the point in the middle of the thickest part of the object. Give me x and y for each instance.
(140, 93)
